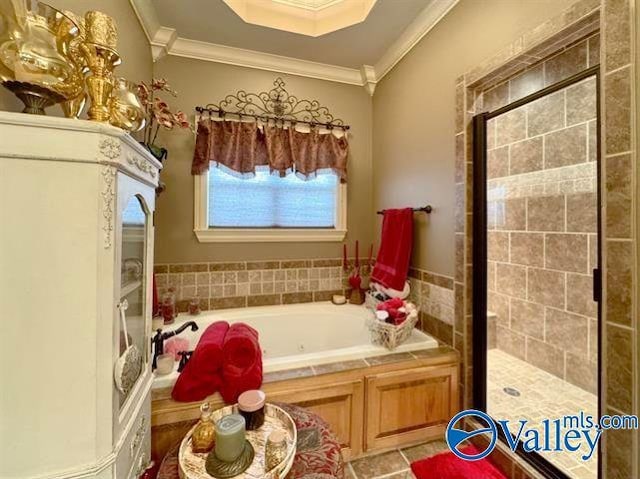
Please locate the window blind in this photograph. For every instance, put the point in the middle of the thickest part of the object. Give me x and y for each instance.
(269, 201)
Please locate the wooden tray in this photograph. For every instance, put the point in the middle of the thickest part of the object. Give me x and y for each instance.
(192, 465)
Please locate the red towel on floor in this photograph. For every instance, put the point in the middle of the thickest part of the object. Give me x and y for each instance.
(242, 368)
(392, 263)
(449, 466)
(202, 375)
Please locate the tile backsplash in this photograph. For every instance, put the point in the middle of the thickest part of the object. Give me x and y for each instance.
(254, 283)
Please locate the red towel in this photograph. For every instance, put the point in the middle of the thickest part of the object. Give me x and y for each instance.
(392, 263)
(202, 375)
(242, 368)
(448, 466)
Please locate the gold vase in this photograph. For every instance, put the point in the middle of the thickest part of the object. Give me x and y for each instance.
(99, 52)
(127, 111)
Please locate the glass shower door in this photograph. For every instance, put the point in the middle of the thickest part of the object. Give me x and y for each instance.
(537, 256)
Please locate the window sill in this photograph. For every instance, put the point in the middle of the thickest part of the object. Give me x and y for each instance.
(284, 235)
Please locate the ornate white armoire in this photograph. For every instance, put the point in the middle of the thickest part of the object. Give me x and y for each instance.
(76, 241)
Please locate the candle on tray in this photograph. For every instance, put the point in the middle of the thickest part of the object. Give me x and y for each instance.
(230, 437)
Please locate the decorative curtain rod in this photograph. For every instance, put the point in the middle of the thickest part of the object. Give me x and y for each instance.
(275, 105)
(427, 209)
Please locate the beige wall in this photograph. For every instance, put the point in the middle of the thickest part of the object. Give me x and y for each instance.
(133, 46)
(200, 82)
(414, 115)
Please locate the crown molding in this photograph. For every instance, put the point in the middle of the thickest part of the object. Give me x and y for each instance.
(165, 41)
(162, 42)
(423, 23)
(184, 47)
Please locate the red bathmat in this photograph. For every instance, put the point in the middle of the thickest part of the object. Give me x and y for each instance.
(449, 466)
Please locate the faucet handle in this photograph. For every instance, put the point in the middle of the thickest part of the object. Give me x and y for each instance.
(123, 305)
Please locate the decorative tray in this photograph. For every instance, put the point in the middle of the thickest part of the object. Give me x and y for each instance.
(192, 464)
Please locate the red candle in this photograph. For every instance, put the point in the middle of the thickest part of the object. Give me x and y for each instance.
(344, 256)
(357, 258)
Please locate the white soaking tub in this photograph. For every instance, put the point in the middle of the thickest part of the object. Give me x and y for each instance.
(298, 335)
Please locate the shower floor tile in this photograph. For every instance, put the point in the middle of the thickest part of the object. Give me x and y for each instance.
(542, 396)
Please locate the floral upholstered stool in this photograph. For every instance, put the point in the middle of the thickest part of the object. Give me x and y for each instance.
(317, 456)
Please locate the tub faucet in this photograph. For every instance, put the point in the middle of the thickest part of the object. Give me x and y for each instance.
(159, 338)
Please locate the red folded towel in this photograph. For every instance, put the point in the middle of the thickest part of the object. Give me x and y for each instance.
(202, 375)
(392, 263)
(242, 368)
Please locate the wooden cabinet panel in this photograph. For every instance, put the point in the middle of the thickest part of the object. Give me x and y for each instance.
(407, 406)
(341, 405)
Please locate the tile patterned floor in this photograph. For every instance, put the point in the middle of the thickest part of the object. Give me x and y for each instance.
(542, 395)
(394, 464)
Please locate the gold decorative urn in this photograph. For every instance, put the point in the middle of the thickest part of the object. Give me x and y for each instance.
(99, 51)
(35, 61)
(127, 111)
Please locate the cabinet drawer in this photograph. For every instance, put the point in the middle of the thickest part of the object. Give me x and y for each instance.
(407, 406)
(136, 444)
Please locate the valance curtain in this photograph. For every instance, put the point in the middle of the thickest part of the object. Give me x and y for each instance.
(241, 146)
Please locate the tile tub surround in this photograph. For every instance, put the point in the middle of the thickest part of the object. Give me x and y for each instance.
(612, 22)
(242, 284)
(542, 212)
(433, 294)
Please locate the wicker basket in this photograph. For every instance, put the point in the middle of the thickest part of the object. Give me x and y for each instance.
(389, 335)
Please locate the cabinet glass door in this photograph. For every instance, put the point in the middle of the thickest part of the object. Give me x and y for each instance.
(132, 286)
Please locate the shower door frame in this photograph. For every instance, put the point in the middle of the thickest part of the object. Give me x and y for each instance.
(480, 287)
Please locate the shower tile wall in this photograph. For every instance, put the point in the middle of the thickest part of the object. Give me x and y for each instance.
(542, 205)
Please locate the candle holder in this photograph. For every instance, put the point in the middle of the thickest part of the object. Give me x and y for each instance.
(99, 51)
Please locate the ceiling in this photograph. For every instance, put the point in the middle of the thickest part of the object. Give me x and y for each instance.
(212, 21)
(377, 36)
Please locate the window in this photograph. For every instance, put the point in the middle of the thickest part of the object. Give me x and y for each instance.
(267, 207)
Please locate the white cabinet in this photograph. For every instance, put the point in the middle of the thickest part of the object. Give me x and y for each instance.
(76, 239)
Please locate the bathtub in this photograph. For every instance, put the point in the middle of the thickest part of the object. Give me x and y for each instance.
(298, 335)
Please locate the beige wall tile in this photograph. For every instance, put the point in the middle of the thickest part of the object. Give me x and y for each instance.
(525, 156)
(498, 162)
(617, 118)
(527, 318)
(619, 175)
(582, 372)
(545, 114)
(510, 342)
(496, 97)
(499, 304)
(566, 147)
(619, 368)
(567, 331)
(582, 212)
(498, 246)
(581, 102)
(511, 127)
(567, 252)
(527, 82)
(511, 214)
(594, 50)
(580, 295)
(617, 33)
(511, 280)
(546, 287)
(527, 249)
(619, 260)
(545, 356)
(546, 213)
(567, 63)
(593, 141)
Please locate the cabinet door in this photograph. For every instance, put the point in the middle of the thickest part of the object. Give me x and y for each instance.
(134, 255)
(407, 406)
